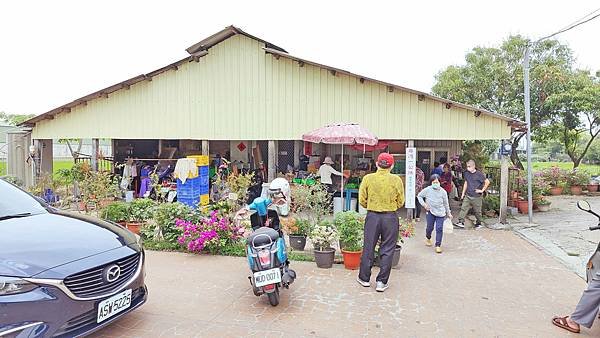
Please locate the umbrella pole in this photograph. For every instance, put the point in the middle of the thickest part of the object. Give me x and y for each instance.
(343, 204)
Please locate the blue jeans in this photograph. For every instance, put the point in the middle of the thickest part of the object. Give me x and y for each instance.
(439, 228)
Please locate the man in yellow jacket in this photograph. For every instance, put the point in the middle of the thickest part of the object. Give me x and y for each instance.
(382, 194)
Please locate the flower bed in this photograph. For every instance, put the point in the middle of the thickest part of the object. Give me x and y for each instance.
(211, 234)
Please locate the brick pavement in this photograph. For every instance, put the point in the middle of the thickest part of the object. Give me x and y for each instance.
(486, 284)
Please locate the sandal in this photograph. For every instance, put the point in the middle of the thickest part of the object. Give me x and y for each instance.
(563, 324)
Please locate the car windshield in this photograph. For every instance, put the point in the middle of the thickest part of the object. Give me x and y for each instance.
(14, 202)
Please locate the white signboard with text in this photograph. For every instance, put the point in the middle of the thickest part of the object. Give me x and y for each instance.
(409, 189)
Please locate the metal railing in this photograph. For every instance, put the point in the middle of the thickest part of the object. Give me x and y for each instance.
(104, 163)
(493, 174)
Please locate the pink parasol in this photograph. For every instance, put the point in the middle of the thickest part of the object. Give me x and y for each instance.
(341, 133)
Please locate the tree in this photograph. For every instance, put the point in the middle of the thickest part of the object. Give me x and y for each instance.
(576, 113)
(15, 119)
(492, 79)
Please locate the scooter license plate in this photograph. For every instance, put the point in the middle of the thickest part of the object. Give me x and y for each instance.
(262, 278)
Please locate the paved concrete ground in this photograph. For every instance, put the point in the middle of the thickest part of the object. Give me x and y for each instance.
(486, 284)
(563, 231)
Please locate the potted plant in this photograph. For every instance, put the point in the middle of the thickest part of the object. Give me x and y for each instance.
(117, 212)
(406, 230)
(556, 178)
(592, 185)
(577, 179)
(297, 229)
(543, 205)
(523, 202)
(350, 226)
(140, 211)
(323, 235)
(491, 205)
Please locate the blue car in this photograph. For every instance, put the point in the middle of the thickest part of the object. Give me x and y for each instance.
(61, 274)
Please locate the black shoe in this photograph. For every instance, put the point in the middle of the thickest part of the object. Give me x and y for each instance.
(476, 225)
(459, 225)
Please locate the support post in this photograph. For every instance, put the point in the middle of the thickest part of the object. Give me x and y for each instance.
(94, 155)
(503, 189)
(46, 155)
(271, 162)
(409, 211)
(205, 147)
(528, 121)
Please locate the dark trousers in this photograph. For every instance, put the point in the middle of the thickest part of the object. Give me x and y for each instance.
(417, 210)
(378, 225)
(439, 228)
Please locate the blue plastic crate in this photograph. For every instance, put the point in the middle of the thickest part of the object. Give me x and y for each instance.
(204, 190)
(203, 171)
(203, 180)
(191, 202)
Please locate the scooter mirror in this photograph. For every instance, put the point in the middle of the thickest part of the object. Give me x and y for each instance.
(584, 205)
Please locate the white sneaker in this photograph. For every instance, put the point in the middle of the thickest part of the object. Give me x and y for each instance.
(365, 284)
(381, 287)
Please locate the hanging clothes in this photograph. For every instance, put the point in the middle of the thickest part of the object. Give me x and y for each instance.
(185, 168)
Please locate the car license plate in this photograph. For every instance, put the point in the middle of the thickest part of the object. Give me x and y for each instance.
(267, 277)
(113, 305)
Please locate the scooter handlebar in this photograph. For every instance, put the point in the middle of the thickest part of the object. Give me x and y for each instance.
(597, 227)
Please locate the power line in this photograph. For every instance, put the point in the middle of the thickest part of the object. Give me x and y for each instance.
(581, 19)
(568, 28)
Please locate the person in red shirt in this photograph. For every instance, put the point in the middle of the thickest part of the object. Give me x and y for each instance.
(446, 179)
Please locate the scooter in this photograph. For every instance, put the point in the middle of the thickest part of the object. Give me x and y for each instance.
(593, 265)
(267, 257)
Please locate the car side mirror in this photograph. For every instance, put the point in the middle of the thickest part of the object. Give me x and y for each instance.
(584, 205)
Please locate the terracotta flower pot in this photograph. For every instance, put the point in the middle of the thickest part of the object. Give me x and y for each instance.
(351, 259)
(555, 191)
(512, 203)
(523, 206)
(576, 190)
(514, 195)
(324, 258)
(134, 227)
(298, 242)
(592, 187)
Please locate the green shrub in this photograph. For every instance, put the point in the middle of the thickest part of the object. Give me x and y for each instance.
(491, 203)
(116, 212)
(163, 221)
(141, 210)
(350, 226)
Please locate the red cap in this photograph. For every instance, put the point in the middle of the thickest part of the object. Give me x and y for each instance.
(385, 160)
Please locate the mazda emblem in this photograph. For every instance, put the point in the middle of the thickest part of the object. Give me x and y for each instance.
(112, 273)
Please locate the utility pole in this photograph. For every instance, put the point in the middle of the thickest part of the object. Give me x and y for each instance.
(528, 121)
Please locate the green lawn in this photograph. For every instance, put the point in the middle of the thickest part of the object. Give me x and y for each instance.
(591, 168)
(62, 164)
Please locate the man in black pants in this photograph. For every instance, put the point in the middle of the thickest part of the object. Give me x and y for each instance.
(382, 194)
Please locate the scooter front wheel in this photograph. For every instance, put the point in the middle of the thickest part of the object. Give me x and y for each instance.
(274, 297)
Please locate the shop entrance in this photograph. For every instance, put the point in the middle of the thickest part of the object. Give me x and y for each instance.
(285, 157)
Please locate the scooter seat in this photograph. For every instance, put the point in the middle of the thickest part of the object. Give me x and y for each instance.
(263, 236)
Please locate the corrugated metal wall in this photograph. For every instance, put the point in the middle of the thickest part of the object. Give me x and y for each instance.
(237, 92)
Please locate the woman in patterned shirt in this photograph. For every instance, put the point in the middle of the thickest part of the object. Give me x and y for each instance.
(419, 183)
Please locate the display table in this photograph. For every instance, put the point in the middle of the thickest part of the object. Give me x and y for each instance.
(348, 198)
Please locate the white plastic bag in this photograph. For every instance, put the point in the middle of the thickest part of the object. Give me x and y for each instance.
(448, 226)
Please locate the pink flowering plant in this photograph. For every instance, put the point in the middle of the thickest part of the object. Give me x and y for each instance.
(406, 229)
(555, 176)
(211, 234)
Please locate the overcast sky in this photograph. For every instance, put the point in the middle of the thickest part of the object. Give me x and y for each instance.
(53, 52)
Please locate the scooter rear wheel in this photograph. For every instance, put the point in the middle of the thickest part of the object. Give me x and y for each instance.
(274, 297)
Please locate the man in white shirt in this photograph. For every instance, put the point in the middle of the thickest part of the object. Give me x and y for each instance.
(325, 172)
